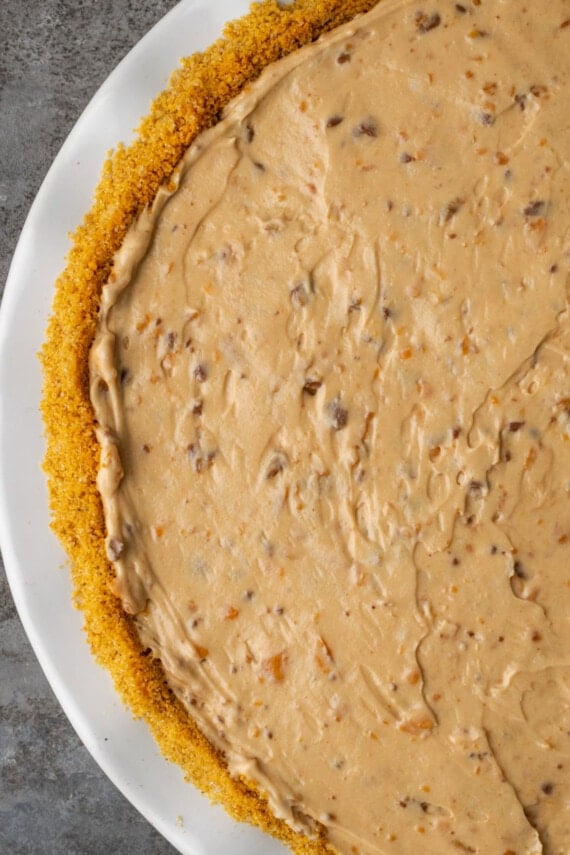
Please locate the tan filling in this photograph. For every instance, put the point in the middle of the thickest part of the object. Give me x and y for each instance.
(332, 384)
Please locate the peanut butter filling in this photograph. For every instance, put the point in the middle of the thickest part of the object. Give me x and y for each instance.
(332, 383)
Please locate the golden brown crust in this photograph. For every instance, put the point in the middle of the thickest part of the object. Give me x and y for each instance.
(197, 93)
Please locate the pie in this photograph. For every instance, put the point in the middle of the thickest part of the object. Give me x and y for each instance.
(308, 438)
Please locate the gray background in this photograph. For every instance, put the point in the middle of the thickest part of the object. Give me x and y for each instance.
(54, 54)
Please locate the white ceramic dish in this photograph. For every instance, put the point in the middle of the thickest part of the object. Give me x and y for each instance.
(34, 561)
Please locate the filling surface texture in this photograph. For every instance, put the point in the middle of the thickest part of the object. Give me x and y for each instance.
(332, 382)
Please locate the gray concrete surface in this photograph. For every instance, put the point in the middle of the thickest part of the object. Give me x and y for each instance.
(54, 54)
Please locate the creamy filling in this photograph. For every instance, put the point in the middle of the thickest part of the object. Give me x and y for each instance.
(332, 381)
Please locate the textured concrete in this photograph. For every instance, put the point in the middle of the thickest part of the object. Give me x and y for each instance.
(54, 54)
